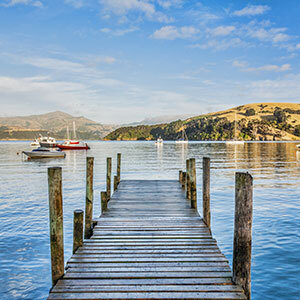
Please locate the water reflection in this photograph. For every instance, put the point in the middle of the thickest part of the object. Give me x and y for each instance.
(24, 240)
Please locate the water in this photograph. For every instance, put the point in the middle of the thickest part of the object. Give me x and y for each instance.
(24, 229)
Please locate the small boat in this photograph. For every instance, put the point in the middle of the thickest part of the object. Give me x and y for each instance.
(47, 141)
(43, 152)
(159, 141)
(35, 143)
(73, 144)
(183, 139)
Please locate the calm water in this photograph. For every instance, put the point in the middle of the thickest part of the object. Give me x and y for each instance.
(24, 231)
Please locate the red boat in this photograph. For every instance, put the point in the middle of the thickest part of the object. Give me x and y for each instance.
(73, 145)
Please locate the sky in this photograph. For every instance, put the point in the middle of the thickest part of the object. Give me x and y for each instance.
(119, 61)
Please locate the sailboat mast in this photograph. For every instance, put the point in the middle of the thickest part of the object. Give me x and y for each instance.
(235, 126)
(68, 134)
(74, 131)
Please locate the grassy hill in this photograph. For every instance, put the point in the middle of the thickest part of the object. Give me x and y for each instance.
(259, 121)
(54, 124)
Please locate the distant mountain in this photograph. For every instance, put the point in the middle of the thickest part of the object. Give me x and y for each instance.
(260, 121)
(54, 124)
(158, 120)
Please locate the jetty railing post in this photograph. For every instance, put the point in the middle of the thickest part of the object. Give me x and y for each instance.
(241, 263)
(180, 176)
(206, 191)
(108, 177)
(103, 202)
(115, 183)
(77, 229)
(187, 181)
(119, 167)
(193, 183)
(56, 223)
(183, 180)
(89, 197)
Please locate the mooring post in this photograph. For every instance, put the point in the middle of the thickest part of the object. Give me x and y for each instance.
(206, 191)
(241, 262)
(183, 180)
(103, 202)
(180, 176)
(89, 197)
(108, 177)
(193, 183)
(77, 229)
(187, 181)
(56, 223)
(115, 183)
(119, 167)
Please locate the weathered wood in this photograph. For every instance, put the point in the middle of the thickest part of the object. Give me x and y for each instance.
(187, 181)
(206, 190)
(180, 176)
(103, 202)
(77, 229)
(193, 183)
(56, 223)
(89, 197)
(119, 167)
(115, 183)
(241, 264)
(149, 244)
(108, 177)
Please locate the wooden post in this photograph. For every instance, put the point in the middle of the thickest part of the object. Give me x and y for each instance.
(103, 202)
(119, 167)
(180, 176)
(193, 183)
(206, 191)
(115, 183)
(241, 263)
(89, 197)
(187, 181)
(183, 180)
(77, 229)
(56, 223)
(108, 177)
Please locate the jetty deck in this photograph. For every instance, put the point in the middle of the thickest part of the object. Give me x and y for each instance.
(148, 244)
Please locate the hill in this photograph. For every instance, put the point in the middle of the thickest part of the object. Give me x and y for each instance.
(54, 124)
(259, 121)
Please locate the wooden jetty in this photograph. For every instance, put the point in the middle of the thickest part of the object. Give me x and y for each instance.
(151, 243)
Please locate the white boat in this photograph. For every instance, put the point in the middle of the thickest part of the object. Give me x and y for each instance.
(159, 141)
(183, 139)
(35, 143)
(235, 141)
(48, 142)
(42, 152)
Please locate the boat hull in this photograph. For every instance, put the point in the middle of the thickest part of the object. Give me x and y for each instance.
(48, 145)
(73, 147)
(37, 155)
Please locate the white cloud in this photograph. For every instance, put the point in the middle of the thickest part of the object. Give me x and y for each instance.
(251, 10)
(124, 7)
(172, 32)
(169, 3)
(222, 30)
(75, 3)
(244, 66)
(118, 32)
(10, 3)
(221, 44)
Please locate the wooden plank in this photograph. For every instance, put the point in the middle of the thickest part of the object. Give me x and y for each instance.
(150, 295)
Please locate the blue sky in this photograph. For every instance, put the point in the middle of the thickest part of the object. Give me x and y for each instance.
(118, 61)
